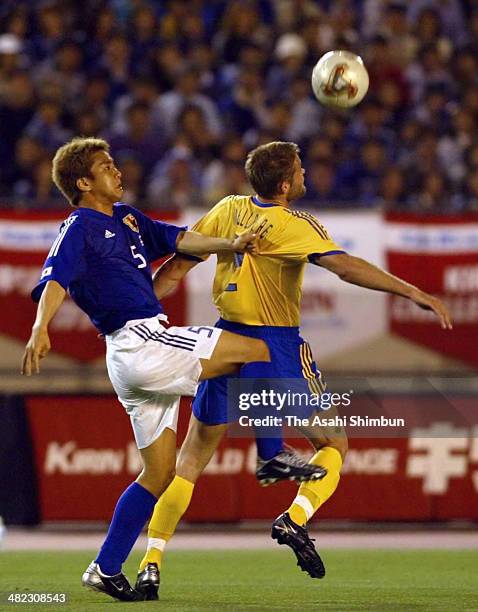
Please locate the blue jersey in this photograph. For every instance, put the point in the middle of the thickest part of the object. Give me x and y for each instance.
(104, 263)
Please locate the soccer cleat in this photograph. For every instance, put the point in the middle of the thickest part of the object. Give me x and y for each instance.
(285, 531)
(147, 583)
(288, 466)
(116, 586)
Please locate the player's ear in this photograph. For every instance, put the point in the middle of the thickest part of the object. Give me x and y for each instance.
(83, 184)
(284, 188)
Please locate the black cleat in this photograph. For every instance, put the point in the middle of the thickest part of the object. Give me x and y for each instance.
(285, 531)
(116, 586)
(148, 581)
(288, 466)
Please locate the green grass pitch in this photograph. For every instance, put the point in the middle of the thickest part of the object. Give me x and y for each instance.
(230, 581)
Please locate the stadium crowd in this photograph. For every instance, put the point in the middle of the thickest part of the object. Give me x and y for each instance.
(183, 89)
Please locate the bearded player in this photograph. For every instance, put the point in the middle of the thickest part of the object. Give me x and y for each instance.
(259, 297)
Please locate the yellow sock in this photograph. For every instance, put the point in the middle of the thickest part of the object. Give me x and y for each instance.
(314, 493)
(168, 511)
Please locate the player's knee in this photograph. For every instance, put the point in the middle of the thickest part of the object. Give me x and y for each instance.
(157, 479)
(341, 444)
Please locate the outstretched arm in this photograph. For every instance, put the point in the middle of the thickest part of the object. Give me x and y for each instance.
(39, 343)
(360, 272)
(169, 274)
(193, 243)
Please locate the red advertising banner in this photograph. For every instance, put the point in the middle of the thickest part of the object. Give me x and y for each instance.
(25, 239)
(85, 456)
(440, 255)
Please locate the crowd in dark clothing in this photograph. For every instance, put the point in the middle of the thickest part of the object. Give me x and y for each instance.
(183, 89)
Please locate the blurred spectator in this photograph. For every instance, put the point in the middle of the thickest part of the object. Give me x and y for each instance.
(435, 111)
(218, 174)
(52, 31)
(423, 158)
(393, 190)
(382, 66)
(46, 126)
(244, 106)
(369, 123)
(202, 58)
(172, 19)
(63, 70)
(186, 92)
(37, 189)
(305, 112)
(390, 97)
(472, 157)
(358, 180)
(290, 12)
(471, 191)
(28, 153)
(470, 99)
(16, 111)
(320, 181)
(139, 137)
(11, 59)
(465, 67)
(322, 149)
(165, 64)
(290, 53)
(449, 13)
(429, 69)
(175, 184)
(232, 181)
(143, 32)
(433, 194)
(202, 142)
(453, 145)
(277, 120)
(88, 123)
(116, 60)
(144, 90)
(404, 152)
(429, 30)
(96, 97)
(240, 26)
(402, 44)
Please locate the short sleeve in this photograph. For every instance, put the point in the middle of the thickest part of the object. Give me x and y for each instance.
(301, 238)
(65, 261)
(159, 237)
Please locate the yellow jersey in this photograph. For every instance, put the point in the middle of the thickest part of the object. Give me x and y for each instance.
(263, 289)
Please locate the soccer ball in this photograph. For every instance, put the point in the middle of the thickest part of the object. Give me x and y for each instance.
(340, 79)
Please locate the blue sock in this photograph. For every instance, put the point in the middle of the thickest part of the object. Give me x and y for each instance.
(272, 445)
(131, 513)
(267, 448)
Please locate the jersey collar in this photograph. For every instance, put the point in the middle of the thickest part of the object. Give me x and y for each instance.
(263, 204)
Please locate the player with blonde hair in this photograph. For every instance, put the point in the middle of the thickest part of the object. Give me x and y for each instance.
(259, 296)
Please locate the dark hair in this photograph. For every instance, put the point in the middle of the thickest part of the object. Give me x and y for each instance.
(73, 161)
(268, 165)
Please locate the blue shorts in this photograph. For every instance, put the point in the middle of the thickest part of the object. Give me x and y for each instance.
(291, 357)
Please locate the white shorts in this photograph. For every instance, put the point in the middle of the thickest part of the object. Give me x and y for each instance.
(151, 366)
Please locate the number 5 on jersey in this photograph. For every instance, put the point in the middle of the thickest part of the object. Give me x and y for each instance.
(143, 261)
